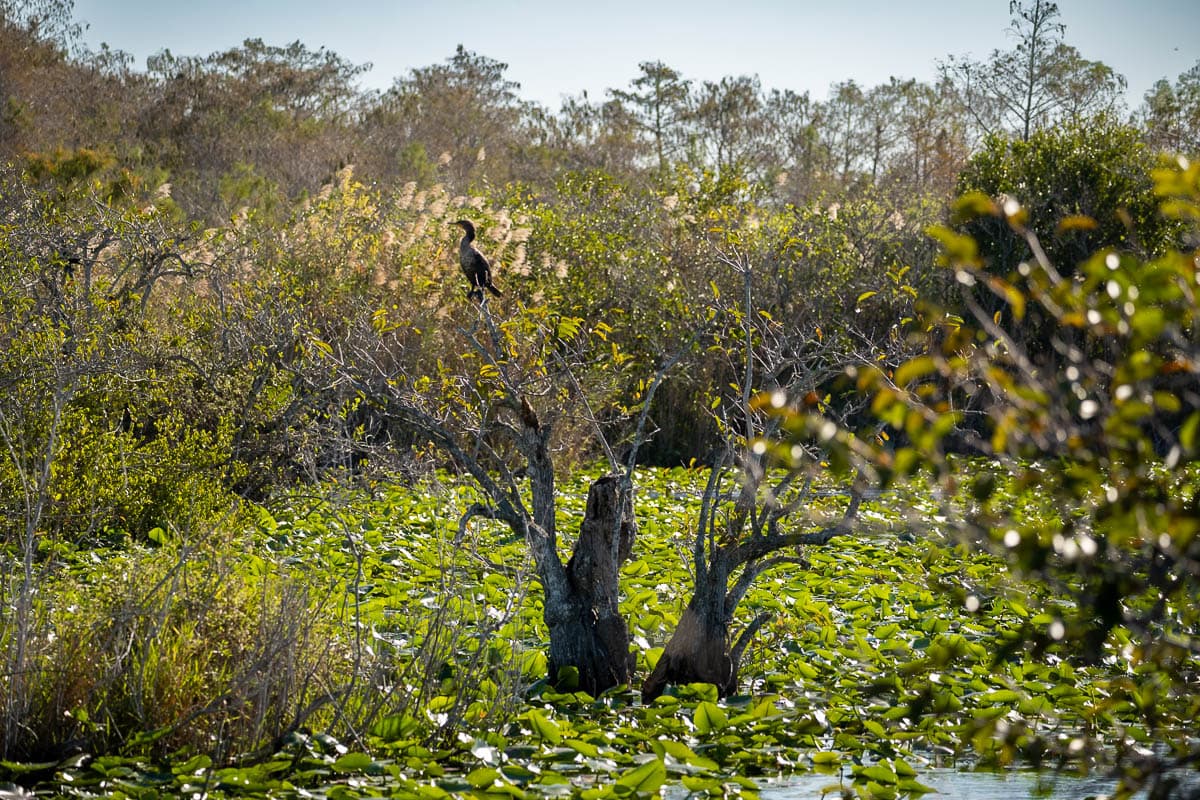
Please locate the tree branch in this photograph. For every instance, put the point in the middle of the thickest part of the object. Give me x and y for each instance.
(747, 636)
(750, 574)
(473, 511)
(760, 546)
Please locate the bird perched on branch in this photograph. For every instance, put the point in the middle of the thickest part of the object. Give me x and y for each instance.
(474, 265)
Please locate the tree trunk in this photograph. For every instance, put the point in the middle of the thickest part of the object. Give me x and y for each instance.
(587, 631)
(699, 649)
(698, 652)
(588, 637)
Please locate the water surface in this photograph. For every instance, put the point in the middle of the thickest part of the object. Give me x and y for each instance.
(957, 785)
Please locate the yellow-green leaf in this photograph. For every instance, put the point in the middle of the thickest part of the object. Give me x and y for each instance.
(709, 717)
(546, 729)
(644, 779)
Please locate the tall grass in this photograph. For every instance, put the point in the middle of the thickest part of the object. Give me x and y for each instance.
(232, 642)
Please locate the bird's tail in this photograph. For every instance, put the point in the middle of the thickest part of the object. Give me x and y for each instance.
(494, 290)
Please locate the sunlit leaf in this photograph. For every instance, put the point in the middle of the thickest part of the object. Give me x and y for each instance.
(544, 728)
(1076, 222)
(709, 717)
(645, 779)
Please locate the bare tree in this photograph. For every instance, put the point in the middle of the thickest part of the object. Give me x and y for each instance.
(1170, 113)
(582, 136)
(731, 128)
(795, 122)
(931, 146)
(1038, 82)
(75, 277)
(498, 426)
(754, 490)
(249, 123)
(845, 130)
(48, 20)
(463, 115)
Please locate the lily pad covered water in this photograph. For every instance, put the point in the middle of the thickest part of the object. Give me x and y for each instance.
(884, 669)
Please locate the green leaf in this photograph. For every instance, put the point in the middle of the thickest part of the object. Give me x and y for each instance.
(696, 691)
(568, 327)
(193, 765)
(973, 204)
(1187, 432)
(1000, 696)
(682, 753)
(878, 791)
(876, 772)
(698, 783)
(1011, 295)
(960, 249)
(568, 678)
(913, 369)
(395, 727)
(914, 787)
(584, 748)
(709, 717)
(352, 762)
(483, 777)
(545, 728)
(18, 768)
(645, 779)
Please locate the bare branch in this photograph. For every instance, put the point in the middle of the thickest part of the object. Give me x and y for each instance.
(708, 513)
(750, 574)
(587, 406)
(473, 511)
(747, 636)
(759, 546)
(783, 511)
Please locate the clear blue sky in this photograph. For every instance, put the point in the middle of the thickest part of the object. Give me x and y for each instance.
(561, 48)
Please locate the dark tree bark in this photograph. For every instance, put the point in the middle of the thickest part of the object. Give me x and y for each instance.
(739, 534)
(589, 639)
(587, 630)
(698, 651)
(728, 560)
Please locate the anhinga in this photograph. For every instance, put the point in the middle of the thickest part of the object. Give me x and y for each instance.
(474, 265)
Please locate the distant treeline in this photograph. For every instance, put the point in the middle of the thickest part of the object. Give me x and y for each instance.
(265, 124)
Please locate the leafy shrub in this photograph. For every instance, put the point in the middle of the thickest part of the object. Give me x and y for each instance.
(1107, 439)
(1081, 187)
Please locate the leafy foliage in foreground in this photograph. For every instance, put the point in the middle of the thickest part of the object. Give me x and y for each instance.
(1104, 436)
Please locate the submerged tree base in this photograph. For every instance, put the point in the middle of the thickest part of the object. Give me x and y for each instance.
(589, 633)
(698, 652)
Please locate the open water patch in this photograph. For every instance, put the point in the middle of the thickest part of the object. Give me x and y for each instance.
(952, 784)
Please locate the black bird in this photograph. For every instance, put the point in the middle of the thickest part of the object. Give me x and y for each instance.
(474, 265)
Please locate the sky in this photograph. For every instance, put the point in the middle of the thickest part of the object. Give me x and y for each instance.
(564, 48)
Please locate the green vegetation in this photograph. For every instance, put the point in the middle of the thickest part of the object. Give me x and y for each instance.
(846, 475)
(873, 667)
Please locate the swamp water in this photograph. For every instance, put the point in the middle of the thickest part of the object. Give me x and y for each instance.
(959, 785)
